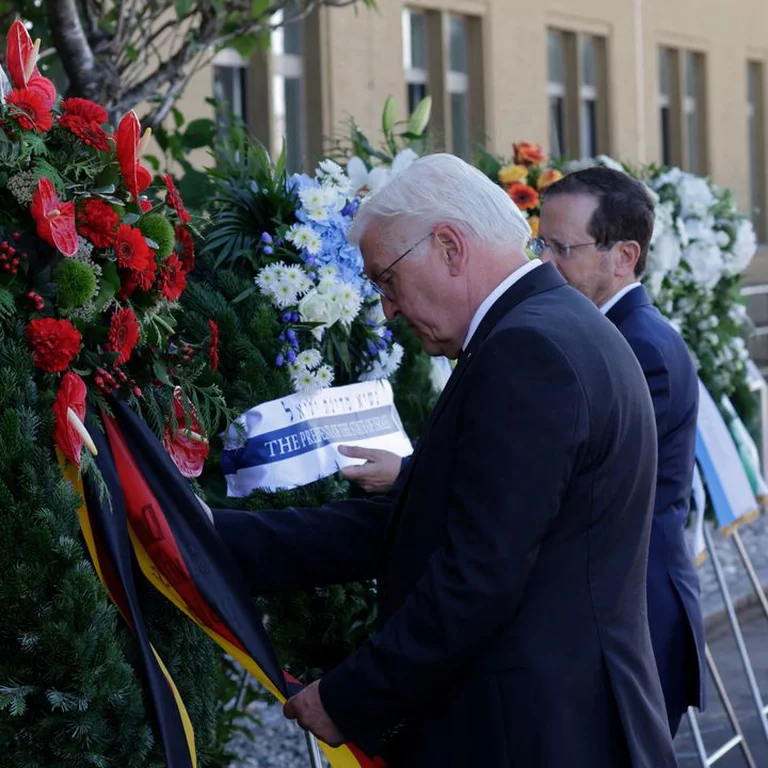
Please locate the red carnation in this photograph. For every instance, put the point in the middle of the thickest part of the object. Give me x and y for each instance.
(187, 243)
(98, 221)
(214, 349)
(173, 278)
(175, 201)
(123, 334)
(55, 343)
(55, 220)
(29, 110)
(71, 394)
(135, 255)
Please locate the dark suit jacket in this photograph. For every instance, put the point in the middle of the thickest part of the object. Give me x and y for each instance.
(512, 562)
(677, 626)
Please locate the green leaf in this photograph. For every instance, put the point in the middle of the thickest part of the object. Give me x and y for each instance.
(280, 165)
(131, 53)
(200, 133)
(244, 295)
(178, 117)
(389, 115)
(258, 7)
(161, 371)
(153, 161)
(245, 45)
(419, 119)
(183, 7)
(6, 303)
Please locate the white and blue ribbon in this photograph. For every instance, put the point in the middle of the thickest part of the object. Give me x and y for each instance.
(292, 441)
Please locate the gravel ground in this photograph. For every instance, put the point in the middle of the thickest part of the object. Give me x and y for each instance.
(277, 742)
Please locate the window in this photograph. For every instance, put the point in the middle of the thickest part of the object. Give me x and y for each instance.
(458, 86)
(229, 88)
(415, 56)
(556, 93)
(288, 111)
(576, 94)
(665, 106)
(682, 110)
(756, 146)
(588, 96)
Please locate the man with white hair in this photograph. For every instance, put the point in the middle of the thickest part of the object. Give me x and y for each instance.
(511, 557)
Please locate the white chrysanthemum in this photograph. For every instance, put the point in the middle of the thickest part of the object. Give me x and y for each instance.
(314, 244)
(744, 247)
(296, 278)
(312, 197)
(327, 272)
(300, 235)
(284, 295)
(268, 277)
(304, 382)
(308, 358)
(394, 359)
(318, 214)
(324, 376)
(349, 301)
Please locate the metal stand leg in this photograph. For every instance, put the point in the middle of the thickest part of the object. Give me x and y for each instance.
(753, 577)
(736, 629)
(315, 757)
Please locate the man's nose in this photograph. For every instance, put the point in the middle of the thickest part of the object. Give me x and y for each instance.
(390, 308)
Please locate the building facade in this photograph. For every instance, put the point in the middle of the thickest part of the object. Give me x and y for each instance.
(680, 82)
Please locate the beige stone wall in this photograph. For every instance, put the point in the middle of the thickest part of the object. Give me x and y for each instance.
(361, 64)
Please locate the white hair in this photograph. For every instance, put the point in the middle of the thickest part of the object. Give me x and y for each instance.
(441, 188)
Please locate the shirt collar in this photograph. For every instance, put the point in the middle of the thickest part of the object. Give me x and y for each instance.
(495, 295)
(618, 296)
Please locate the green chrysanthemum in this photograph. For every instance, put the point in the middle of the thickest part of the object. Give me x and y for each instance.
(77, 284)
(158, 229)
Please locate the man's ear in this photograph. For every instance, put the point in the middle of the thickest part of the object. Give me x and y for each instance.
(628, 256)
(453, 247)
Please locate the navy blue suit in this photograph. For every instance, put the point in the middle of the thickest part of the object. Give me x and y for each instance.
(674, 612)
(511, 559)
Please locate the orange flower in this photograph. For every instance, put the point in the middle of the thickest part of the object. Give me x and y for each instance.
(548, 177)
(528, 154)
(511, 173)
(533, 222)
(525, 198)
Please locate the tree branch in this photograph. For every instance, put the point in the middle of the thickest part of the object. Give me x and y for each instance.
(73, 47)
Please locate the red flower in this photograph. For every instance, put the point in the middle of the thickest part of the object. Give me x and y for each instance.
(85, 110)
(174, 200)
(173, 278)
(135, 255)
(55, 220)
(21, 60)
(29, 110)
(71, 394)
(98, 221)
(187, 243)
(188, 453)
(525, 198)
(55, 343)
(145, 204)
(123, 334)
(129, 146)
(214, 349)
(128, 285)
(84, 118)
(528, 153)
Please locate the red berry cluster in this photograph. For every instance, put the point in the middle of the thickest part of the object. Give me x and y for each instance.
(187, 352)
(10, 256)
(36, 300)
(108, 382)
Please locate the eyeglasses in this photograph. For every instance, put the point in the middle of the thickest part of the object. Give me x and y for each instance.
(376, 281)
(538, 245)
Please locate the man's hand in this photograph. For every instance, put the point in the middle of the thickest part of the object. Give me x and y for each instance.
(379, 472)
(308, 710)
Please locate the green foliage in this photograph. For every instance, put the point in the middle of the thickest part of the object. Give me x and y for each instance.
(76, 282)
(160, 231)
(68, 696)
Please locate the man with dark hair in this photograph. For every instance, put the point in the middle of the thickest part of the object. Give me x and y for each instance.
(596, 226)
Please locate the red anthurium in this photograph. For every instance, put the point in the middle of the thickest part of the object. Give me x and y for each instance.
(188, 450)
(129, 145)
(71, 394)
(21, 59)
(55, 220)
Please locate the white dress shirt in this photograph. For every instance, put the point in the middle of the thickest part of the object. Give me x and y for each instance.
(495, 295)
(618, 296)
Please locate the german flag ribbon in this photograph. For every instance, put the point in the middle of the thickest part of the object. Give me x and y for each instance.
(158, 517)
